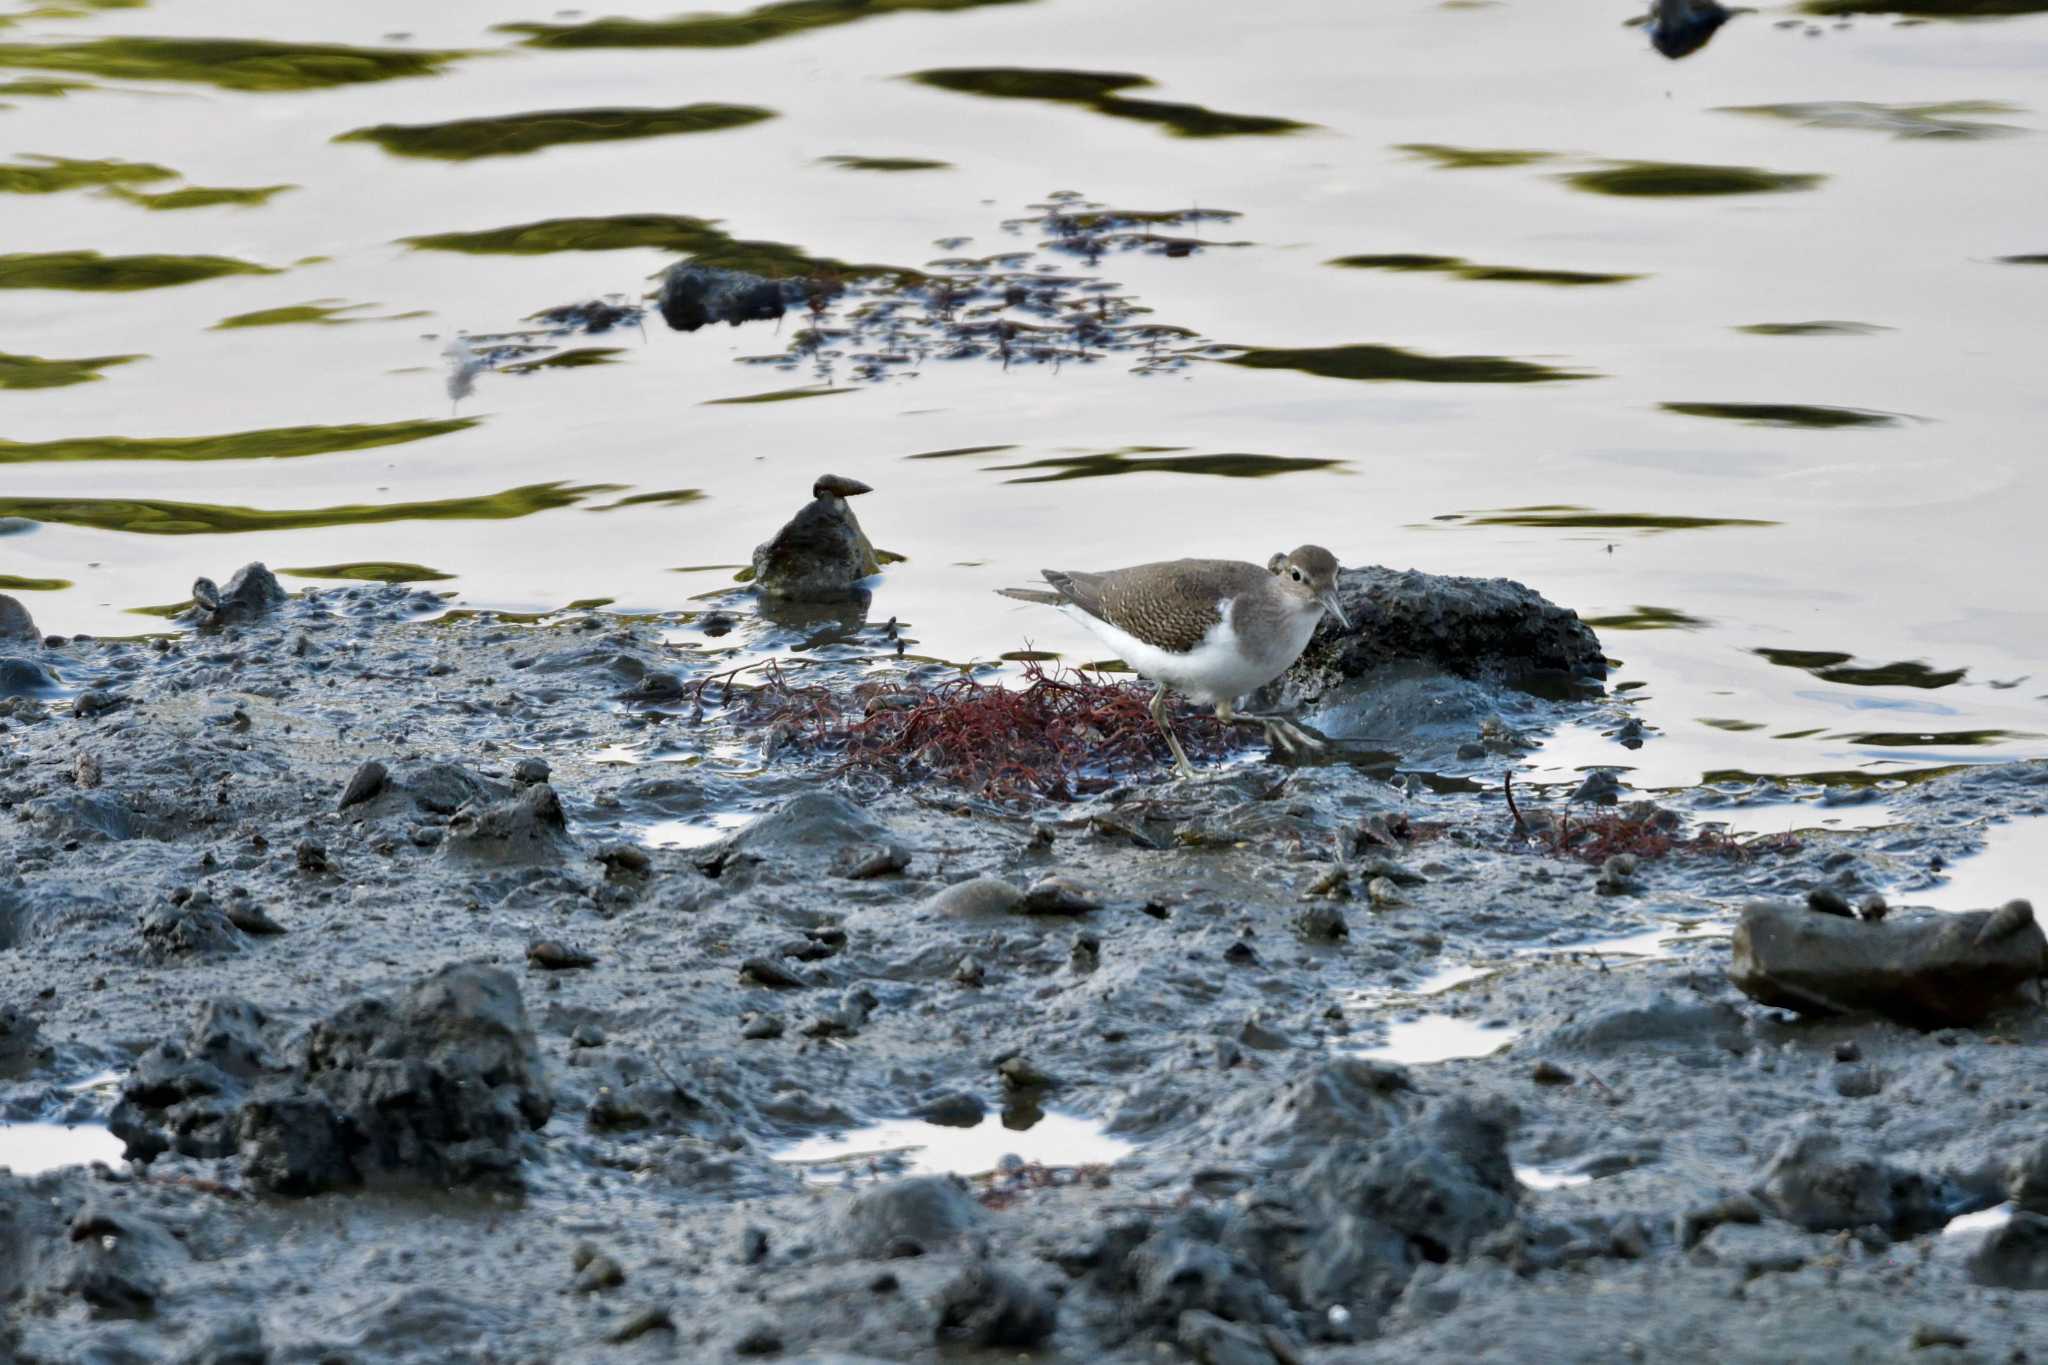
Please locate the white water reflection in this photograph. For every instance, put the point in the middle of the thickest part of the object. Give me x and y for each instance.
(914, 1147)
(1439, 1038)
(694, 833)
(1550, 1178)
(2012, 865)
(32, 1148)
(1985, 1220)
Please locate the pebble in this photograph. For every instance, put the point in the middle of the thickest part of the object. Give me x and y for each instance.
(555, 955)
(369, 780)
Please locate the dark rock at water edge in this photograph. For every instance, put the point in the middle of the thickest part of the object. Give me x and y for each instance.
(1679, 28)
(436, 1086)
(2014, 1256)
(822, 554)
(1925, 970)
(253, 591)
(1815, 1182)
(1489, 628)
(694, 295)
(15, 622)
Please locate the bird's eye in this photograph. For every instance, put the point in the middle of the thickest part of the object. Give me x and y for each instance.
(1295, 574)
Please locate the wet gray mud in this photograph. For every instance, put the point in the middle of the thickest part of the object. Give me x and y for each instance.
(465, 987)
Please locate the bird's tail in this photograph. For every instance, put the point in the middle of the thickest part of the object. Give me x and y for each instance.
(1038, 595)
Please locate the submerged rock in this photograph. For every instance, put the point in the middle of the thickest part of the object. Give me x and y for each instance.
(821, 554)
(1679, 28)
(253, 591)
(1491, 628)
(1926, 970)
(693, 295)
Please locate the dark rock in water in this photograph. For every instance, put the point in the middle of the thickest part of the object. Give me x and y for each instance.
(1679, 28)
(2026, 1178)
(693, 295)
(821, 554)
(986, 1305)
(1811, 1181)
(926, 1212)
(1927, 970)
(529, 828)
(367, 782)
(253, 591)
(595, 317)
(436, 1086)
(2014, 1256)
(15, 622)
(19, 1049)
(20, 677)
(1489, 628)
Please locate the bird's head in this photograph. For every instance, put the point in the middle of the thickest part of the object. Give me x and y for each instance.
(1309, 575)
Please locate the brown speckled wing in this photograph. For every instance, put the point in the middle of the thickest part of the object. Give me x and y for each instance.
(1170, 605)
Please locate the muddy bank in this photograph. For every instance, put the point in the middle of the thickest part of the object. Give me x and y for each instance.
(466, 982)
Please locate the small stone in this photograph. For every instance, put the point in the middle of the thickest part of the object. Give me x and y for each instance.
(650, 1319)
(624, 860)
(1241, 954)
(757, 1026)
(556, 956)
(369, 780)
(1847, 1051)
(251, 918)
(94, 702)
(1549, 1073)
(1323, 923)
(1857, 1082)
(85, 770)
(969, 972)
(1057, 895)
(761, 1339)
(1021, 1073)
(528, 771)
(597, 1272)
(587, 1035)
(753, 1244)
(1384, 895)
(1825, 900)
(313, 857)
(975, 898)
(762, 971)
(1927, 1334)
(955, 1109)
(858, 862)
(1873, 909)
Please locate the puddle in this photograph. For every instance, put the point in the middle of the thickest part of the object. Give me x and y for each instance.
(1984, 1220)
(1438, 1038)
(2012, 865)
(1790, 817)
(1549, 1178)
(693, 833)
(1450, 978)
(914, 1147)
(32, 1148)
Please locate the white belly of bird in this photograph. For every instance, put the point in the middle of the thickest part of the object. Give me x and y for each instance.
(1215, 670)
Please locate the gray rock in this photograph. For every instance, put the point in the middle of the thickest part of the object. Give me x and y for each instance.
(1679, 28)
(195, 929)
(989, 1306)
(20, 677)
(2014, 1256)
(1471, 627)
(1812, 1182)
(367, 782)
(975, 898)
(117, 1262)
(529, 828)
(694, 295)
(821, 554)
(1650, 1021)
(799, 841)
(253, 591)
(908, 1216)
(1927, 970)
(2026, 1178)
(15, 622)
(1212, 1341)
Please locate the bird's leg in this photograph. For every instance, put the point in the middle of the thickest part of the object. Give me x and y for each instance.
(1180, 757)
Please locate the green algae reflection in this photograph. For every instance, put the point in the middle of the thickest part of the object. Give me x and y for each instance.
(55, 174)
(1472, 158)
(1833, 666)
(518, 134)
(1151, 460)
(142, 516)
(372, 571)
(281, 443)
(1821, 328)
(227, 63)
(205, 197)
(1101, 91)
(759, 25)
(1669, 179)
(1929, 9)
(34, 372)
(700, 239)
(320, 313)
(886, 164)
(1570, 517)
(1375, 362)
(1648, 618)
(9, 583)
(91, 272)
(1460, 268)
(775, 396)
(1954, 120)
(1811, 415)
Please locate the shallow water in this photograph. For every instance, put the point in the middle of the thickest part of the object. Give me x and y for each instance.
(1438, 1038)
(2013, 864)
(32, 1148)
(914, 1147)
(1767, 311)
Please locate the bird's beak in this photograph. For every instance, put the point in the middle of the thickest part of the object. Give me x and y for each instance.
(1328, 597)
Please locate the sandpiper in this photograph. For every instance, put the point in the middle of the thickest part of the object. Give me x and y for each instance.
(1212, 629)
